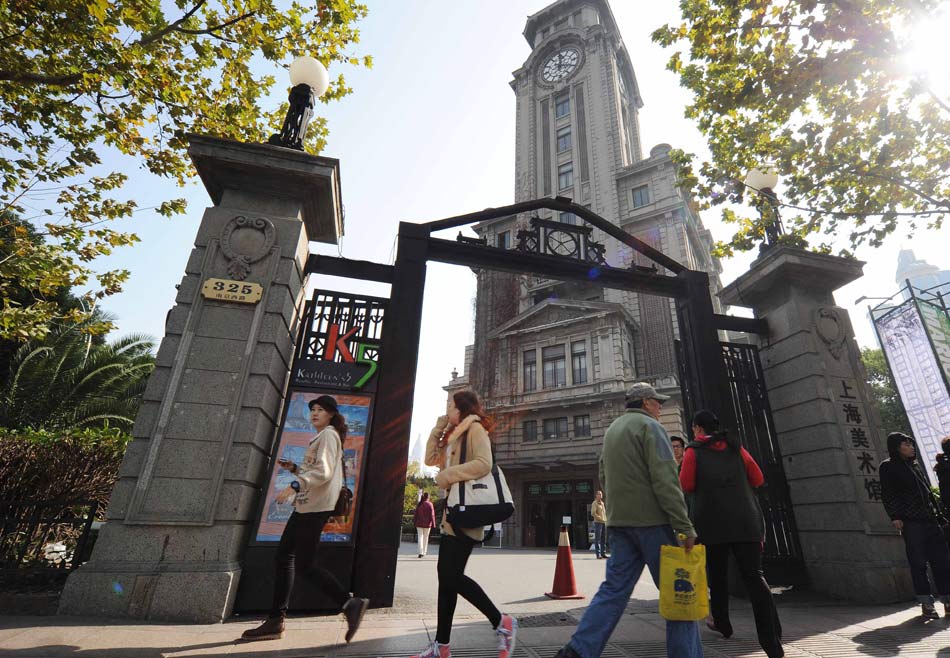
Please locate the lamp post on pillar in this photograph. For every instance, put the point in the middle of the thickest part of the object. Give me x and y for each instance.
(763, 180)
(174, 543)
(310, 80)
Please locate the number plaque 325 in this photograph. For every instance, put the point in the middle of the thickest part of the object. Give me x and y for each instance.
(227, 290)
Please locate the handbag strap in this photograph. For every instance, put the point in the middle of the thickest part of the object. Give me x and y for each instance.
(342, 460)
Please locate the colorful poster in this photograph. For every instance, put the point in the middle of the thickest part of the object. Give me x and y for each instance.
(918, 378)
(295, 437)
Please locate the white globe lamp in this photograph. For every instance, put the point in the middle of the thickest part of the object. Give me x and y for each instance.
(309, 71)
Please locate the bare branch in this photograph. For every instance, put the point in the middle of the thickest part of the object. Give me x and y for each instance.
(212, 30)
(155, 36)
(36, 78)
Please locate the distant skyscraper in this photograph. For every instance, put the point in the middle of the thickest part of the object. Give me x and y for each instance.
(920, 273)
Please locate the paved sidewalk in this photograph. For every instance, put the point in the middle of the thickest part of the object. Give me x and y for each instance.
(516, 580)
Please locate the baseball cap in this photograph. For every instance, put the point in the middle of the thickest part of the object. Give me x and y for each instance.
(325, 401)
(643, 391)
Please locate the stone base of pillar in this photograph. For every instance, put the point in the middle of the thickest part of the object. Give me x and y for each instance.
(143, 592)
(868, 583)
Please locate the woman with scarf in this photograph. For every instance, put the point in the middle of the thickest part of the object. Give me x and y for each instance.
(720, 476)
(916, 513)
(465, 428)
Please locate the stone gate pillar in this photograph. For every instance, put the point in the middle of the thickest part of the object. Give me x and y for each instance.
(180, 514)
(828, 431)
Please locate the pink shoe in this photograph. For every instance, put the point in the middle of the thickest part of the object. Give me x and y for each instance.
(507, 633)
(434, 650)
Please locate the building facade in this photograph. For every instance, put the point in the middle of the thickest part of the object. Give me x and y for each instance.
(552, 359)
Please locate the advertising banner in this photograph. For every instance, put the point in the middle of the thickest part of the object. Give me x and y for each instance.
(918, 377)
(295, 437)
(937, 324)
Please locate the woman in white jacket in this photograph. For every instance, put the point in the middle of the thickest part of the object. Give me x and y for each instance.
(315, 493)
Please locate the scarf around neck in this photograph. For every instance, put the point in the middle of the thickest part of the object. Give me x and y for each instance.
(462, 427)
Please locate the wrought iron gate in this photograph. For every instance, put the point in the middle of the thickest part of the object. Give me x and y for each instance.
(783, 555)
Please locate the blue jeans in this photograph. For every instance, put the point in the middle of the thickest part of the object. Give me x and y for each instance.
(599, 529)
(631, 550)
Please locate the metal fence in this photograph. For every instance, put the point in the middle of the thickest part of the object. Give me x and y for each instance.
(44, 534)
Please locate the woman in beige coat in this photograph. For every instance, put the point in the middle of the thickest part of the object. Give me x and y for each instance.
(465, 424)
(315, 492)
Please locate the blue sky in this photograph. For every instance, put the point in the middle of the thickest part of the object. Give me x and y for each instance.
(429, 133)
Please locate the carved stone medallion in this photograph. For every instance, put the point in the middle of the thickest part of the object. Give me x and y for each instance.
(831, 329)
(244, 242)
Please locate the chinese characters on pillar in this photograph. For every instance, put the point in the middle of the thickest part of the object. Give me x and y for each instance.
(854, 419)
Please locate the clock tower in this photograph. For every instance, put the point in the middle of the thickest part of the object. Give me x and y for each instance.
(553, 359)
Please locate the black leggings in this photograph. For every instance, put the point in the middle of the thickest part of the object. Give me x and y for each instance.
(299, 544)
(749, 560)
(453, 556)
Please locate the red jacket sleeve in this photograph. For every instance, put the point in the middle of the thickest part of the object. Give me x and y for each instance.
(688, 471)
(752, 470)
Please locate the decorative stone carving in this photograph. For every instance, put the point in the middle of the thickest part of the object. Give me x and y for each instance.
(244, 242)
(831, 329)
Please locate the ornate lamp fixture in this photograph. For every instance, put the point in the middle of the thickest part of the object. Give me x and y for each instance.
(310, 80)
(763, 180)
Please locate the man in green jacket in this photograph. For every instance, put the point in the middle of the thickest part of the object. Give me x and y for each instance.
(646, 511)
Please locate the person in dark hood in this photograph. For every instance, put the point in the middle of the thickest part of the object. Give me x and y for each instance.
(942, 469)
(916, 513)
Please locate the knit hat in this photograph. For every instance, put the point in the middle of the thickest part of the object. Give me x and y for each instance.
(327, 402)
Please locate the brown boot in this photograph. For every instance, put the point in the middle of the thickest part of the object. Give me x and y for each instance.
(353, 611)
(271, 629)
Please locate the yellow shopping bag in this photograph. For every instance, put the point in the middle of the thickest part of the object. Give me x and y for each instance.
(683, 592)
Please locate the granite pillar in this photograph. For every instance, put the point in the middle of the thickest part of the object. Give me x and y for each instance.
(179, 516)
(828, 431)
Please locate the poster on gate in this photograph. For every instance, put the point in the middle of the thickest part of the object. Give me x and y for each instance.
(295, 436)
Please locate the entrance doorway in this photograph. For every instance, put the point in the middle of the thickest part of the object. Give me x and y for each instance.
(551, 504)
(544, 251)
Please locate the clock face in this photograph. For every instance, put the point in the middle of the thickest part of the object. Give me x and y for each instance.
(560, 65)
(562, 243)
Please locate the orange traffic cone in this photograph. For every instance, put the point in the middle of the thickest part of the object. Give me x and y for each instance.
(565, 587)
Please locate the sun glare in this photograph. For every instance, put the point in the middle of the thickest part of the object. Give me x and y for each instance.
(930, 53)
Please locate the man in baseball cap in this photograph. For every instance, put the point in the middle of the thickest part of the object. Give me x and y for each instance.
(643, 391)
(647, 510)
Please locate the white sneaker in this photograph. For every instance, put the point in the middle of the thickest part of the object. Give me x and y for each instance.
(434, 650)
(507, 633)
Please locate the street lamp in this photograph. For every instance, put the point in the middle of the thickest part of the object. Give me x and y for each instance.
(763, 180)
(310, 80)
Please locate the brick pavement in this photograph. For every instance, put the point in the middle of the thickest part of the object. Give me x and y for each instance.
(814, 627)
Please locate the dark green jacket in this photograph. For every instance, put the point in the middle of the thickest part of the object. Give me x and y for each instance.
(638, 473)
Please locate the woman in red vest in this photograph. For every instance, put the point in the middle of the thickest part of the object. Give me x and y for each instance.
(721, 475)
(424, 521)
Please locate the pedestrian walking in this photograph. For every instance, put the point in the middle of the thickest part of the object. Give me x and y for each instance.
(720, 476)
(599, 511)
(424, 520)
(638, 473)
(319, 479)
(465, 426)
(916, 513)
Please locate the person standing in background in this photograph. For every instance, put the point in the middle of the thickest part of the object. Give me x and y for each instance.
(424, 520)
(599, 511)
(679, 448)
(916, 513)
